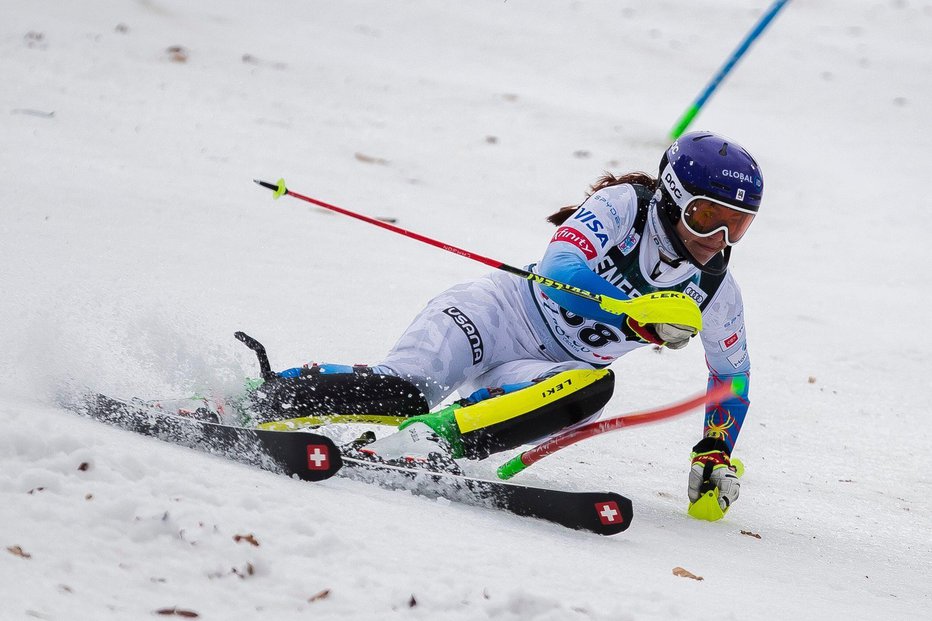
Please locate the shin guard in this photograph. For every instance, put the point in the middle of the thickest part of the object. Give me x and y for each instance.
(506, 421)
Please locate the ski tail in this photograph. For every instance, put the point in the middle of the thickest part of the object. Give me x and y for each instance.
(604, 513)
(309, 456)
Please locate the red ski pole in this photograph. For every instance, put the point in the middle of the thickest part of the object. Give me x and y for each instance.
(656, 307)
(520, 462)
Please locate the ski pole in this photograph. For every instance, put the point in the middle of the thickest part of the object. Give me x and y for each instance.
(518, 463)
(656, 307)
(717, 79)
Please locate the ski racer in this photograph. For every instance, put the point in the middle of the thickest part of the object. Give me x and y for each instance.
(531, 361)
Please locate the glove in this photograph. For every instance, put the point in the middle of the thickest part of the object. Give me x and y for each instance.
(672, 335)
(711, 469)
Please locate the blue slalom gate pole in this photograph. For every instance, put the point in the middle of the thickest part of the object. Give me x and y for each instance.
(749, 39)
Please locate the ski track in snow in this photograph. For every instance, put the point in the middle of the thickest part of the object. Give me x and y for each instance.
(133, 244)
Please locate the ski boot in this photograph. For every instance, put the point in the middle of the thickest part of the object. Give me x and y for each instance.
(318, 394)
(414, 445)
(497, 419)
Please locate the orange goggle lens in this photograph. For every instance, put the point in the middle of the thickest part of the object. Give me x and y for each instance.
(704, 218)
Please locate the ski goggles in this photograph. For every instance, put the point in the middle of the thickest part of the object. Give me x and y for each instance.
(704, 216)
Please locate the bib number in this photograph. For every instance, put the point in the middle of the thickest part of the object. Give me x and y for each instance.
(595, 335)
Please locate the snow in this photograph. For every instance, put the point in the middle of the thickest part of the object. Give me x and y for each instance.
(134, 244)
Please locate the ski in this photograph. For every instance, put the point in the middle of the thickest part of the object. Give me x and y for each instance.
(604, 513)
(310, 456)
(313, 457)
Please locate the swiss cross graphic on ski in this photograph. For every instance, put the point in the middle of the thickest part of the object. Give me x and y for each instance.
(609, 512)
(318, 457)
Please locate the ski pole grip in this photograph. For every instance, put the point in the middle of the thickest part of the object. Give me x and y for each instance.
(511, 467)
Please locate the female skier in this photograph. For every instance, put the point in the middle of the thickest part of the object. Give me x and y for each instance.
(534, 359)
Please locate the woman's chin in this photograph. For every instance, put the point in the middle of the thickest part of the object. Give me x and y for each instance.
(703, 254)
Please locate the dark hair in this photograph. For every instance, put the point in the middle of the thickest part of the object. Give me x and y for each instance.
(605, 181)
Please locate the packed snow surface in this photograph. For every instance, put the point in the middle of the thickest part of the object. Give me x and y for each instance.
(133, 243)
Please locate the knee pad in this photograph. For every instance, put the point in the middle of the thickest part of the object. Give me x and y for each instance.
(530, 413)
(336, 390)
